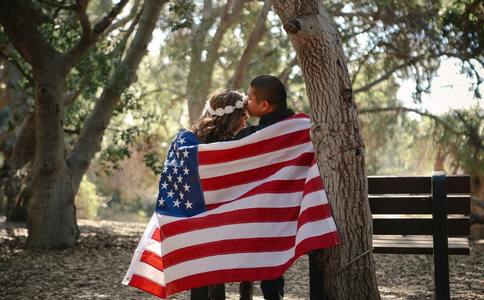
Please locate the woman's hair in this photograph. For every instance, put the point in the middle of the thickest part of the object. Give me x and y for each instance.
(213, 128)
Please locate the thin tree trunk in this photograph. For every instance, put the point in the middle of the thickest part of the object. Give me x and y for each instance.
(255, 37)
(349, 268)
(199, 82)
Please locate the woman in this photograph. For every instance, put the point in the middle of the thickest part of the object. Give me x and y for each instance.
(224, 115)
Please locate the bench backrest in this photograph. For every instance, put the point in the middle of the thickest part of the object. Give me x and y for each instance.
(404, 205)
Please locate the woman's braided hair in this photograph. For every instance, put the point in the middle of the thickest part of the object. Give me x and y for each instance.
(212, 128)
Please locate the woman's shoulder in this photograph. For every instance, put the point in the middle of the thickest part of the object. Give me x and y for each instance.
(187, 137)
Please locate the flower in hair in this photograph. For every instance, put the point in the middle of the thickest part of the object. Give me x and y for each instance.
(223, 111)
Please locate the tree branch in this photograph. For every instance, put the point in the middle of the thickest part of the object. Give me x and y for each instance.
(386, 75)
(19, 22)
(284, 75)
(18, 66)
(407, 109)
(89, 141)
(228, 18)
(255, 37)
(89, 36)
(132, 14)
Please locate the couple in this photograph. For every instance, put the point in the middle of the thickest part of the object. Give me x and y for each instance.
(225, 118)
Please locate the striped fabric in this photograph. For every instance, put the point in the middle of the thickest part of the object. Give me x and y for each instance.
(264, 206)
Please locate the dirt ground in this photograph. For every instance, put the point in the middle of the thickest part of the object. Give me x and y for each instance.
(95, 268)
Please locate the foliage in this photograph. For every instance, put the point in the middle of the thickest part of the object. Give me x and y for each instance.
(88, 202)
(462, 138)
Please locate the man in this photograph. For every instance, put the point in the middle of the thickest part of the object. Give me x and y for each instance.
(267, 100)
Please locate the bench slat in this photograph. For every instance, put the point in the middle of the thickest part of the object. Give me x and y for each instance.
(416, 245)
(457, 204)
(457, 227)
(456, 184)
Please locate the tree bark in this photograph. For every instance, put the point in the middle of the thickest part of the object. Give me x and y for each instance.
(349, 268)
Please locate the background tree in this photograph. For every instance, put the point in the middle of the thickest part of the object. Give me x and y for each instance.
(56, 174)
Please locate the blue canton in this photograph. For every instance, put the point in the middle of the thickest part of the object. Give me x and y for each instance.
(180, 193)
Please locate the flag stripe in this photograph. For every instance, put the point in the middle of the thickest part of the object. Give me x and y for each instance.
(268, 146)
(143, 283)
(255, 174)
(283, 188)
(248, 260)
(251, 274)
(292, 124)
(235, 192)
(283, 155)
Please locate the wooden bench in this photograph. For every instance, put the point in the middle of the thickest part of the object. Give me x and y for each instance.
(417, 215)
(411, 215)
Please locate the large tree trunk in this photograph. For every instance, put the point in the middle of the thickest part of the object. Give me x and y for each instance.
(349, 268)
(51, 211)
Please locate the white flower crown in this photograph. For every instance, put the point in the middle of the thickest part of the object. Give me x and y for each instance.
(223, 111)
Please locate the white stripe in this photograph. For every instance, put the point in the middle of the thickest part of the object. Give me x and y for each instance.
(143, 243)
(249, 163)
(315, 228)
(228, 232)
(313, 199)
(231, 193)
(313, 172)
(147, 271)
(247, 260)
(259, 200)
(280, 128)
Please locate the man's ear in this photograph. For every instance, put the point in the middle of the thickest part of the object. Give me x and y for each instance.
(266, 106)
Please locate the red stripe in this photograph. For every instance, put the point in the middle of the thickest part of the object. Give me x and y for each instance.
(250, 215)
(315, 184)
(152, 259)
(234, 179)
(147, 285)
(252, 274)
(315, 213)
(271, 187)
(209, 157)
(233, 246)
(252, 245)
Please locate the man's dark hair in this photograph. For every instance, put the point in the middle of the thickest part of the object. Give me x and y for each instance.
(272, 89)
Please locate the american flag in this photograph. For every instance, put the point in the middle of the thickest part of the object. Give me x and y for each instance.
(234, 211)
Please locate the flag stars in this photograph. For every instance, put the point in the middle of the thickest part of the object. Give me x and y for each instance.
(161, 202)
(185, 153)
(180, 178)
(170, 194)
(181, 195)
(188, 205)
(164, 185)
(175, 169)
(181, 141)
(185, 171)
(186, 187)
(182, 161)
(170, 178)
(175, 186)
(165, 168)
(176, 203)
